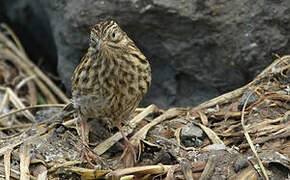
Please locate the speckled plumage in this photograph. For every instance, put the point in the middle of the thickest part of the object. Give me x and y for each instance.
(112, 77)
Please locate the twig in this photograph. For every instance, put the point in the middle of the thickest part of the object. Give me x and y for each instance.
(141, 170)
(29, 70)
(7, 163)
(174, 143)
(5, 101)
(236, 93)
(16, 126)
(14, 173)
(141, 134)
(24, 81)
(14, 37)
(24, 157)
(267, 138)
(211, 134)
(17, 103)
(65, 164)
(249, 138)
(30, 107)
(17, 143)
(105, 145)
(33, 69)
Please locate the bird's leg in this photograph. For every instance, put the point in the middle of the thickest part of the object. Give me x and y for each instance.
(85, 138)
(129, 147)
(84, 131)
(86, 153)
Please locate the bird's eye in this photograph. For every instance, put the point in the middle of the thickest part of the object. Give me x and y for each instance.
(113, 35)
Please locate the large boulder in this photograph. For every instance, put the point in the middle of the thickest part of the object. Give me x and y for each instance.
(197, 49)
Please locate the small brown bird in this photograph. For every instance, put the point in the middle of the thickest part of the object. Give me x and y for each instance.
(111, 79)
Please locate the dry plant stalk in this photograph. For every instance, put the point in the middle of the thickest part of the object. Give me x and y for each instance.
(19, 58)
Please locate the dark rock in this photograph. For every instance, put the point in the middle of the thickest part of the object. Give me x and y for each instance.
(253, 98)
(241, 163)
(191, 135)
(190, 130)
(60, 129)
(46, 114)
(214, 147)
(198, 49)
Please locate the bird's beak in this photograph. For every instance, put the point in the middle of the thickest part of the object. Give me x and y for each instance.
(100, 43)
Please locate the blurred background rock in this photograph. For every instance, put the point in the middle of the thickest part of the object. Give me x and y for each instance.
(198, 49)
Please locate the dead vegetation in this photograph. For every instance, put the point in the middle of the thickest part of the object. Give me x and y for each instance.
(243, 134)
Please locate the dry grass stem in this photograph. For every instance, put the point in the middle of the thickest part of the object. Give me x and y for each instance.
(250, 141)
(31, 69)
(104, 146)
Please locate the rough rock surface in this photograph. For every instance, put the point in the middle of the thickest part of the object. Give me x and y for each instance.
(198, 49)
(191, 135)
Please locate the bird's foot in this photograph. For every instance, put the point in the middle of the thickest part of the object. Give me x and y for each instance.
(90, 157)
(129, 156)
(87, 156)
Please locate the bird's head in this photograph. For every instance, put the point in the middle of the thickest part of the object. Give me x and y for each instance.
(108, 36)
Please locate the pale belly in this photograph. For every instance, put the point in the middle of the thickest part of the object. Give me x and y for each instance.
(113, 108)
